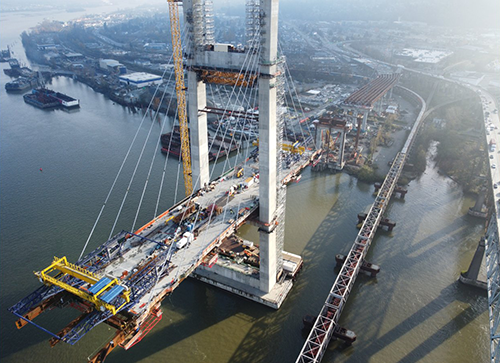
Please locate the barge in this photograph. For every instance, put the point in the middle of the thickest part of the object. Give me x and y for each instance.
(4, 55)
(220, 146)
(41, 100)
(44, 98)
(65, 100)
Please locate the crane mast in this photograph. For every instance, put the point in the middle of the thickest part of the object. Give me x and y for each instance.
(181, 94)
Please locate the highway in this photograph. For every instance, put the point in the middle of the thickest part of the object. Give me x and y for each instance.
(492, 127)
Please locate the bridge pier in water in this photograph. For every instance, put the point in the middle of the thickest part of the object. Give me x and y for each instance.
(346, 335)
(386, 222)
(201, 63)
(398, 189)
(476, 274)
(479, 210)
(366, 266)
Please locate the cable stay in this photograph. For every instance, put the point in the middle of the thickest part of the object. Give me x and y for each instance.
(118, 175)
(144, 266)
(150, 165)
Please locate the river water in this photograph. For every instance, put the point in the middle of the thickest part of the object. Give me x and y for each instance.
(414, 311)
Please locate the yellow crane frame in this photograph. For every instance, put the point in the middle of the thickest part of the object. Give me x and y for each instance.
(181, 95)
(287, 147)
(65, 268)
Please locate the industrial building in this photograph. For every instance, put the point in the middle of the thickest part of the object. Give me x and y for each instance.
(112, 66)
(140, 79)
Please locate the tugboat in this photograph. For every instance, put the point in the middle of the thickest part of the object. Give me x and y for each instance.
(16, 70)
(4, 55)
(19, 85)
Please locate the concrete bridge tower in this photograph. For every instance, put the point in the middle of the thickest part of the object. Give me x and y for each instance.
(198, 18)
(268, 144)
(208, 62)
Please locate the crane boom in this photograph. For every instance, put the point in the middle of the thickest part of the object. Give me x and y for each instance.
(181, 95)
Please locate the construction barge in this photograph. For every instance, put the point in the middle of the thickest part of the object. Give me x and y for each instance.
(16, 70)
(47, 99)
(220, 145)
(123, 281)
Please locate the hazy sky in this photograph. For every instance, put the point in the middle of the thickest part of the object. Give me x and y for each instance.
(461, 13)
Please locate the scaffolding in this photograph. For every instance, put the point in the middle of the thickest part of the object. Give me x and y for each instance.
(252, 23)
(280, 187)
(199, 26)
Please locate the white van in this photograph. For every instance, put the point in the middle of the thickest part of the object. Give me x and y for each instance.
(187, 237)
(181, 243)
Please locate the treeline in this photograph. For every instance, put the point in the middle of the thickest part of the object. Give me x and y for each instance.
(461, 150)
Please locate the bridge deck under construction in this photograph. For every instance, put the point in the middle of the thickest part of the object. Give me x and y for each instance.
(371, 92)
(125, 279)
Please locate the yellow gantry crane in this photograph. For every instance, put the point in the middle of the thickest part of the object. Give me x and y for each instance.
(175, 29)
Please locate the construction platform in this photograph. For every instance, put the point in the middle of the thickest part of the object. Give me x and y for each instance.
(242, 279)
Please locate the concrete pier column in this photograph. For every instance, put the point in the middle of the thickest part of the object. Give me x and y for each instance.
(354, 118)
(197, 100)
(196, 93)
(268, 142)
(475, 265)
(478, 206)
(319, 137)
(472, 276)
(364, 124)
(267, 151)
(268, 261)
(340, 164)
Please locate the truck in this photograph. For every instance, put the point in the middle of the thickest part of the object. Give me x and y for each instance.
(493, 145)
(187, 238)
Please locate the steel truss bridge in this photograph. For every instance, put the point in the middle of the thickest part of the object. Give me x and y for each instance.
(493, 279)
(324, 326)
(492, 244)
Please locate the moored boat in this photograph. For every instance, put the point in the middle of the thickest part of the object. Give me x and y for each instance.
(4, 55)
(20, 84)
(65, 100)
(40, 100)
(46, 98)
